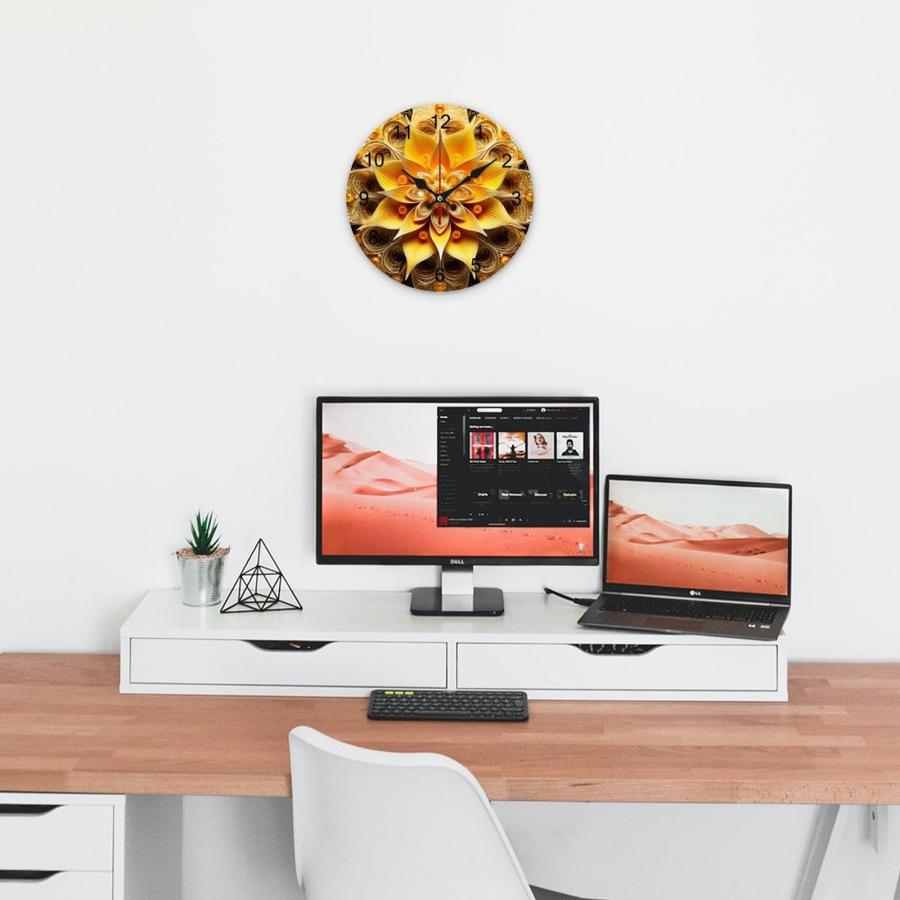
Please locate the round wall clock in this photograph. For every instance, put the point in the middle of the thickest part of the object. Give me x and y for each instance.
(439, 197)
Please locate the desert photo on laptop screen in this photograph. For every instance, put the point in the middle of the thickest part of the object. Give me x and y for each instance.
(706, 536)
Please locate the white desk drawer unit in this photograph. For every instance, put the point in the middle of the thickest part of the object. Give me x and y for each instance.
(57, 886)
(61, 847)
(51, 837)
(289, 663)
(346, 643)
(571, 667)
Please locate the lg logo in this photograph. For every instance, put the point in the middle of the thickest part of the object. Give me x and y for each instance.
(695, 593)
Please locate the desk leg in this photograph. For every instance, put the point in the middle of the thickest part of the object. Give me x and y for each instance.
(852, 845)
(830, 824)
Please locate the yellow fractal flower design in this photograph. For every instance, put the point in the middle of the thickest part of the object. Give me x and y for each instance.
(439, 197)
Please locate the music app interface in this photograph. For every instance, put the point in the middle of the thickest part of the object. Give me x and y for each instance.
(513, 466)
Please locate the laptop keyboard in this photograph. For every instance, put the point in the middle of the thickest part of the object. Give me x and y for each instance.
(690, 609)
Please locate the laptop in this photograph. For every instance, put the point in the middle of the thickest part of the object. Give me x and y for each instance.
(692, 556)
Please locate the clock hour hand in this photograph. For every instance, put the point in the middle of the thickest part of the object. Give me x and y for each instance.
(420, 183)
(473, 174)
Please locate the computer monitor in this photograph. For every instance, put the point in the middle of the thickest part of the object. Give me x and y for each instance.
(457, 482)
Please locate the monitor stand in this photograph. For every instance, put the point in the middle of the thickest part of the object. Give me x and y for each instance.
(456, 596)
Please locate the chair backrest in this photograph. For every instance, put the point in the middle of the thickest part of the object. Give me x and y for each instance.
(394, 826)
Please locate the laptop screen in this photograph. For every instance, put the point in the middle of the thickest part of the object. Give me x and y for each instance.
(697, 538)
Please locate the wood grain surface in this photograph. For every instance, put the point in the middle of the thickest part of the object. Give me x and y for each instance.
(65, 727)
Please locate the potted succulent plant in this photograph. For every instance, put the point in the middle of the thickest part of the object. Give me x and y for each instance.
(201, 563)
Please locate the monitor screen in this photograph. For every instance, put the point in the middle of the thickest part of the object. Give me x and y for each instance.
(481, 480)
(697, 537)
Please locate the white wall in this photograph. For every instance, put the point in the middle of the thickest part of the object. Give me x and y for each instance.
(240, 847)
(714, 252)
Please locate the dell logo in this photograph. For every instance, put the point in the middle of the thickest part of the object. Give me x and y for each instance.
(695, 594)
(457, 562)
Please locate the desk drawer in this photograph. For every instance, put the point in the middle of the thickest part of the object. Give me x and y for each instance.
(336, 664)
(667, 667)
(56, 885)
(78, 838)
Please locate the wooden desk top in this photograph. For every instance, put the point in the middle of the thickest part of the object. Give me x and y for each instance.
(65, 727)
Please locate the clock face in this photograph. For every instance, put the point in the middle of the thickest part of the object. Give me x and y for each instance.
(439, 197)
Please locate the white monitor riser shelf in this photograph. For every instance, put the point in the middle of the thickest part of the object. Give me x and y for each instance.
(345, 643)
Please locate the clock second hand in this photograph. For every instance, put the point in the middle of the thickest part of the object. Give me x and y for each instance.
(439, 197)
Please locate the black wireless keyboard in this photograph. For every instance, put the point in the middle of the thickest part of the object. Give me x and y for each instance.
(690, 609)
(454, 706)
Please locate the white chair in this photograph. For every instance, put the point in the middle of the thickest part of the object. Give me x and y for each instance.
(370, 825)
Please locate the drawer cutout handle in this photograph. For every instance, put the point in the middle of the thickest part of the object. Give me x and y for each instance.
(25, 875)
(290, 646)
(616, 649)
(26, 809)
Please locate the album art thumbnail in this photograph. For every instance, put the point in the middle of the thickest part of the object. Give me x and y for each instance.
(540, 444)
(511, 444)
(482, 445)
(569, 445)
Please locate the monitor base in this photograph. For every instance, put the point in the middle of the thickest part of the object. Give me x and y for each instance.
(431, 601)
(456, 596)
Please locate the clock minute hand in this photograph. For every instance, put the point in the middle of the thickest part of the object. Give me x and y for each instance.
(474, 174)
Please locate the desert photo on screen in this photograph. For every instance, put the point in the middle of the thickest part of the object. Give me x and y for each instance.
(708, 537)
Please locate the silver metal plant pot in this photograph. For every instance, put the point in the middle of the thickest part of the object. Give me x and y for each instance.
(201, 579)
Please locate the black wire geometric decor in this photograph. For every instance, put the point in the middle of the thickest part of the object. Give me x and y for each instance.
(258, 587)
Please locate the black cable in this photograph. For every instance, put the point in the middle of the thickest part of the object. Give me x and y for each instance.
(580, 602)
